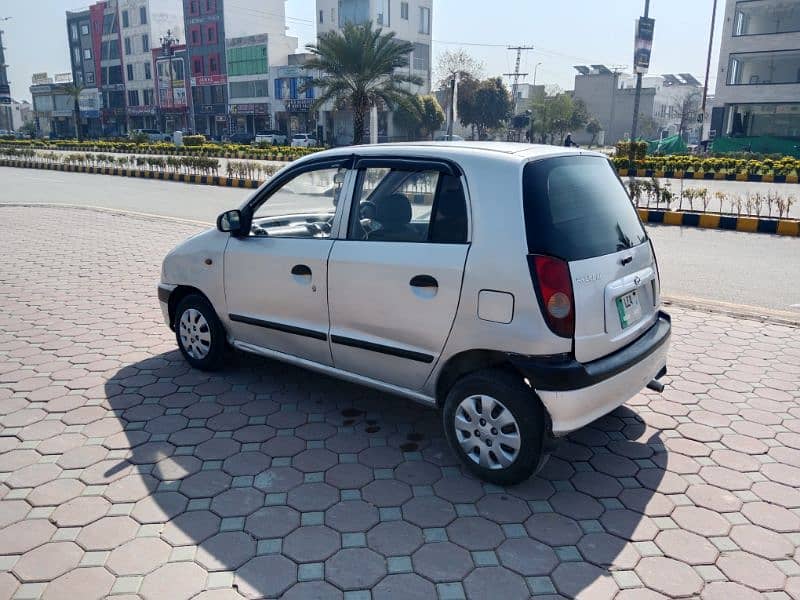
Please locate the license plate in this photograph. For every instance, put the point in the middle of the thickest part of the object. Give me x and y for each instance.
(629, 309)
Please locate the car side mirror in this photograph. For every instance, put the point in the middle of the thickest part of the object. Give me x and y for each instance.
(230, 221)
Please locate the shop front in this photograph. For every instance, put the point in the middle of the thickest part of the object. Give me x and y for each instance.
(294, 101)
(250, 118)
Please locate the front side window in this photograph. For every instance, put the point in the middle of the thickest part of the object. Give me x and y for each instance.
(303, 207)
(401, 205)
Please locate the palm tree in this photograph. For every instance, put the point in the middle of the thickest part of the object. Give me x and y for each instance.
(359, 69)
(74, 90)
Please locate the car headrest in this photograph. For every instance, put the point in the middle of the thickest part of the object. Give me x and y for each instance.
(393, 210)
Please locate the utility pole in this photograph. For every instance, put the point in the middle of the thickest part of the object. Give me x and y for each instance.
(637, 98)
(167, 43)
(708, 67)
(515, 76)
(5, 88)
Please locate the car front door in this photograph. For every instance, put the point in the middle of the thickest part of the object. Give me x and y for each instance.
(276, 276)
(395, 281)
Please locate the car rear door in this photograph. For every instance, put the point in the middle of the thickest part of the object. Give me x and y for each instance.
(394, 284)
(577, 210)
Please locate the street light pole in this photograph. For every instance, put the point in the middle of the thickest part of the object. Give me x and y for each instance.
(535, 70)
(5, 89)
(167, 42)
(637, 98)
(708, 66)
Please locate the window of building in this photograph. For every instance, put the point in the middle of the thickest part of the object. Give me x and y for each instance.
(111, 75)
(73, 30)
(87, 53)
(422, 57)
(333, 15)
(211, 34)
(148, 73)
(90, 77)
(211, 6)
(84, 29)
(128, 46)
(109, 49)
(145, 43)
(247, 60)
(143, 15)
(133, 97)
(321, 13)
(114, 99)
(197, 97)
(76, 56)
(385, 13)
(249, 89)
(404, 10)
(218, 94)
(126, 22)
(110, 23)
(353, 11)
(425, 20)
(129, 69)
(194, 35)
(761, 18)
(197, 65)
(147, 97)
(213, 64)
(79, 78)
(764, 68)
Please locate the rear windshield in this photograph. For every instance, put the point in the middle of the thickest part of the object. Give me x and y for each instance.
(577, 208)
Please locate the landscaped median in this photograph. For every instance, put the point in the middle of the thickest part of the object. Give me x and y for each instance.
(788, 227)
(766, 170)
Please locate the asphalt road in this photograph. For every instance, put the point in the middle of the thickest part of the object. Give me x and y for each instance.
(739, 271)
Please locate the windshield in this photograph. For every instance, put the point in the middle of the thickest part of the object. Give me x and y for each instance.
(576, 207)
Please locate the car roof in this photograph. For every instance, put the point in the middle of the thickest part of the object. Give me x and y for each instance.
(455, 149)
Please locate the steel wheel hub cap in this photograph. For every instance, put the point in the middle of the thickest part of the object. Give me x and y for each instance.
(487, 432)
(195, 334)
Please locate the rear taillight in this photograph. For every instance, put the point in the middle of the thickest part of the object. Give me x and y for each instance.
(554, 287)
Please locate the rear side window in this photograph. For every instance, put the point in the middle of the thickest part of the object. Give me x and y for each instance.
(577, 208)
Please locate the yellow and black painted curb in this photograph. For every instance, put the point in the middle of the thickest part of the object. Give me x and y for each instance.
(138, 173)
(788, 227)
(709, 176)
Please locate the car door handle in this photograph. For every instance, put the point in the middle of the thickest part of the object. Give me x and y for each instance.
(423, 281)
(302, 270)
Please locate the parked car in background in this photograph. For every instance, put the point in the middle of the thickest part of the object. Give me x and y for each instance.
(272, 136)
(153, 135)
(303, 140)
(329, 266)
(242, 137)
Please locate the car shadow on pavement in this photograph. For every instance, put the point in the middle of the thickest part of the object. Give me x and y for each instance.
(277, 482)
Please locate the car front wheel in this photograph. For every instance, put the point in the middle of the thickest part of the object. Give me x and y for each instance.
(495, 424)
(199, 333)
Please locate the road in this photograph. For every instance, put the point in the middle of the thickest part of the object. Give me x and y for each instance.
(697, 266)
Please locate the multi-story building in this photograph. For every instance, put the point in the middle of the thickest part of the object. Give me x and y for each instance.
(84, 69)
(172, 90)
(410, 20)
(53, 107)
(758, 82)
(143, 25)
(293, 98)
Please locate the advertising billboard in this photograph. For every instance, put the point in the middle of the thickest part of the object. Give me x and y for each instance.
(171, 95)
(645, 28)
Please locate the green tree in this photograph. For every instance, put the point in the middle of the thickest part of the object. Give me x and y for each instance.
(489, 108)
(74, 90)
(556, 114)
(418, 116)
(360, 68)
(593, 127)
(467, 110)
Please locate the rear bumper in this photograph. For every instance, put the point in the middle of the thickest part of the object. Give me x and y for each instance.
(576, 394)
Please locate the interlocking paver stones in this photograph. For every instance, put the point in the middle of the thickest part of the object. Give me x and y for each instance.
(278, 479)
(527, 557)
(266, 576)
(727, 590)
(272, 522)
(159, 507)
(33, 475)
(606, 550)
(86, 583)
(572, 579)
(553, 529)
(442, 561)
(395, 538)
(131, 488)
(237, 502)
(701, 521)
(313, 497)
(138, 557)
(629, 525)
(80, 511)
(107, 533)
(48, 561)
(402, 586)
(386, 492)
(355, 568)
(495, 582)
(12, 511)
(351, 516)
(177, 581)
(752, 571)
(576, 505)
(8, 585)
(226, 551)
(348, 476)
(687, 547)
(762, 542)
(714, 498)
(475, 533)
(311, 543)
(772, 517)
(429, 511)
(669, 576)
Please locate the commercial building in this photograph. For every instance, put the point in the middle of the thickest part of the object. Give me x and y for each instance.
(172, 88)
(21, 113)
(668, 103)
(53, 107)
(410, 20)
(758, 82)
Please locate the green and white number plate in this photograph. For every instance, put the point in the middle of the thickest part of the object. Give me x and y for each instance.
(629, 309)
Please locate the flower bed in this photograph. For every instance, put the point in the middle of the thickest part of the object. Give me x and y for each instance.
(276, 153)
(681, 164)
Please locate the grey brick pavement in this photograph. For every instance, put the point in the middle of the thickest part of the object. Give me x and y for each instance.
(123, 472)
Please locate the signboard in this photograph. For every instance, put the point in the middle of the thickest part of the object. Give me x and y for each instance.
(293, 88)
(89, 103)
(141, 110)
(220, 118)
(171, 95)
(645, 29)
(249, 109)
(62, 77)
(39, 78)
(298, 104)
(209, 80)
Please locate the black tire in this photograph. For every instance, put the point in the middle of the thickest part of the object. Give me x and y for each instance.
(527, 410)
(215, 349)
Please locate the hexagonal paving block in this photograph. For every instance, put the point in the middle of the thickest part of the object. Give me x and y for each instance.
(574, 578)
(237, 502)
(177, 581)
(226, 551)
(496, 582)
(311, 543)
(266, 576)
(350, 516)
(527, 557)
(80, 511)
(355, 568)
(429, 511)
(404, 585)
(442, 561)
(107, 533)
(48, 561)
(687, 547)
(475, 533)
(752, 571)
(90, 583)
(272, 522)
(395, 538)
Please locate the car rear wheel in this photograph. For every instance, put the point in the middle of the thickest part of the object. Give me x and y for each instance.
(495, 423)
(199, 332)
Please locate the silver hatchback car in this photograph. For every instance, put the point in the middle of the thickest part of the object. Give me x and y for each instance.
(511, 286)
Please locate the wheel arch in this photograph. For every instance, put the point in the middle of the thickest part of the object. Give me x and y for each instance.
(467, 362)
(175, 298)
